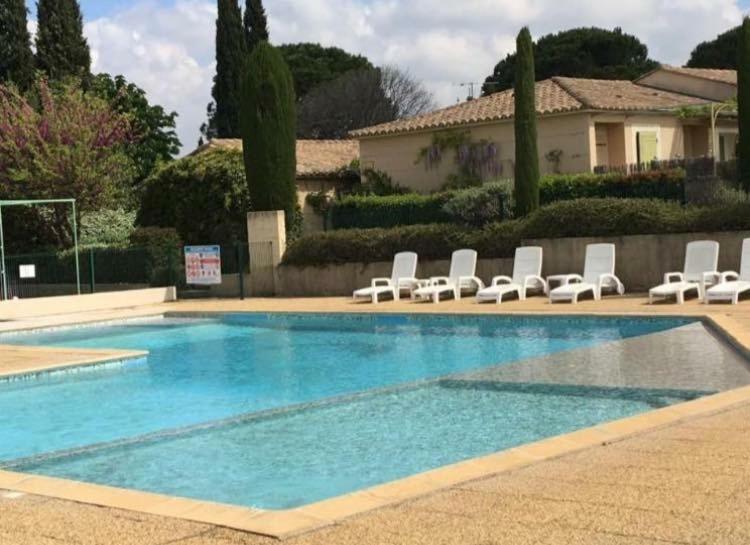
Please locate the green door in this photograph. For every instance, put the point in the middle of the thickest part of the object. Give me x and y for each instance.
(647, 146)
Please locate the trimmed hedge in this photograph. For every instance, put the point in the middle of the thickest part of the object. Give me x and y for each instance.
(389, 211)
(492, 202)
(578, 218)
(668, 185)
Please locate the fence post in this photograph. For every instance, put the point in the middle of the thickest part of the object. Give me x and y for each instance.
(238, 247)
(92, 271)
(170, 275)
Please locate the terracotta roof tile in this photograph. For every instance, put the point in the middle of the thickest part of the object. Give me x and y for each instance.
(620, 95)
(552, 96)
(713, 74)
(315, 158)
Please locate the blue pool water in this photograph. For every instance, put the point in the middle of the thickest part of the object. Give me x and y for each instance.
(280, 410)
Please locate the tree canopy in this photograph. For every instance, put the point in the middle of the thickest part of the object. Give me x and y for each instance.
(61, 49)
(255, 23)
(360, 98)
(204, 197)
(743, 103)
(312, 64)
(16, 57)
(231, 52)
(70, 146)
(154, 139)
(268, 121)
(721, 52)
(595, 53)
(526, 179)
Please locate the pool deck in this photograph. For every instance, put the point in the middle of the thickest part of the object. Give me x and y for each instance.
(675, 475)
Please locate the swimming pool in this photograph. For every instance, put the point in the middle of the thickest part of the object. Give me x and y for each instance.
(277, 411)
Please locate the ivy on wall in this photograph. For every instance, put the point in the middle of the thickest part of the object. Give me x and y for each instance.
(476, 161)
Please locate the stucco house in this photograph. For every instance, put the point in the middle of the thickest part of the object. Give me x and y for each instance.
(319, 167)
(582, 124)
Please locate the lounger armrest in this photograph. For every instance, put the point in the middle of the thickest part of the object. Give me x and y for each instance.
(437, 280)
(611, 278)
(502, 279)
(728, 276)
(407, 282)
(530, 280)
(380, 282)
(462, 280)
(570, 278)
(671, 277)
(711, 277)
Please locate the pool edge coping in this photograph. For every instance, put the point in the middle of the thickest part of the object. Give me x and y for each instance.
(283, 524)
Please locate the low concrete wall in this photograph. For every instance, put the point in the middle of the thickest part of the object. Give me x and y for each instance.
(44, 306)
(642, 261)
(343, 279)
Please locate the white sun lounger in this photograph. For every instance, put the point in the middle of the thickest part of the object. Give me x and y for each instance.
(701, 262)
(732, 285)
(461, 276)
(403, 277)
(598, 274)
(527, 274)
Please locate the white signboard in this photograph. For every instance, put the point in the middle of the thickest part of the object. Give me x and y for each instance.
(203, 265)
(27, 271)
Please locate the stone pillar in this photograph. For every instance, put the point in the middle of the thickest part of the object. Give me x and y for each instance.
(266, 236)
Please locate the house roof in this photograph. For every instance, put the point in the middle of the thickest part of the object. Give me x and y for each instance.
(315, 158)
(553, 95)
(712, 74)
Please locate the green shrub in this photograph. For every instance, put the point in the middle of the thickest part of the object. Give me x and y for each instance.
(389, 211)
(666, 184)
(204, 197)
(106, 228)
(480, 205)
(493, 201)
(577, 218)
(367, 245)
(604, 217)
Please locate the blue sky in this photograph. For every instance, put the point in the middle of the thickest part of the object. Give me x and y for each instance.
(167, 46)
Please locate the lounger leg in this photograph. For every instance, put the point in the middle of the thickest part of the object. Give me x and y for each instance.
(436, 297)
(374, 298)
(457, 294)
(650, 298)
(736, 299)
(680, 297)
(522, 294)
(396, 294)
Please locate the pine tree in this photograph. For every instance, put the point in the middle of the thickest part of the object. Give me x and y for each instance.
(230, 55)
(16, 58)
(61, 49)
(743, 104)
(256, 24)
(268, 121)
(527, 158)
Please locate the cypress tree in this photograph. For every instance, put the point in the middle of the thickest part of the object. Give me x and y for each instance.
(268, 122)
(61, 49)
(527, 159)
(16, 58)
(256, 23)
(743, 104)
(230, 54)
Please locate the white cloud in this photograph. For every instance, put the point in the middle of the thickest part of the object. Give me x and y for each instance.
(168, 48)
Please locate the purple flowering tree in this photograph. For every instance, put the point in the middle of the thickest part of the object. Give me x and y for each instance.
(62, 143)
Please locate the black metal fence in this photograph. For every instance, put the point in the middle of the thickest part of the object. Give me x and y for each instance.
(45, 274)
